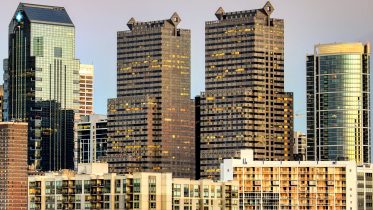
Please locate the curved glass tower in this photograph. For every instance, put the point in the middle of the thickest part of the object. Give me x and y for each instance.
(338, 102)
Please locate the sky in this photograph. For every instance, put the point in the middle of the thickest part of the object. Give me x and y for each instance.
(307, 22)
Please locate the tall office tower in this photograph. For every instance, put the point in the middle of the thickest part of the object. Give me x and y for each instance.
(151, 123)
(91, 139)
(13, 166)
(338, 102)
(1, 101)
(245, 105)
(42, 83)
(86, 75)
(299, 146)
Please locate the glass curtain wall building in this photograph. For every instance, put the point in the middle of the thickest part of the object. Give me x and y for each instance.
(338, 102)
(42, 83)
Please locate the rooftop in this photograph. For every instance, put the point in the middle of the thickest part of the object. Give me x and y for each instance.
(45, 14)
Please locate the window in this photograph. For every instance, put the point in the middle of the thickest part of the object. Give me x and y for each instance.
(38, 47)
(87, 187)
(58, 52)
(136, 185)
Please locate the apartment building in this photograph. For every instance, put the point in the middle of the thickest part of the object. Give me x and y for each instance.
(307, 185)
(13, 166)
(86, 77)
(92, 187)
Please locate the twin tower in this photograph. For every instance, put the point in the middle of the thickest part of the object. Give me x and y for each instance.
(155, 126)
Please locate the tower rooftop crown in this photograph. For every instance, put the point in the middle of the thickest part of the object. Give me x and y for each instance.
(43, 14)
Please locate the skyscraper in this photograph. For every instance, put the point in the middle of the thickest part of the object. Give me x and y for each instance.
(13, 166)
(151, 123)
(338, 102)
(86, 75)
(245, 105)
(42, 83)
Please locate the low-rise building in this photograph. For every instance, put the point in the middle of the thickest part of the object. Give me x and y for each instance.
(293, 184)
(204, 194)
(92, 187)
(365, 187)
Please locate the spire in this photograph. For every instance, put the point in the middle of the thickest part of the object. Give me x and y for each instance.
(268, 8)
(131, 22)
(175, 19)
(220, 13)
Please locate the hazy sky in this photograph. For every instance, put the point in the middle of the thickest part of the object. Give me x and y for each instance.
(307, 22)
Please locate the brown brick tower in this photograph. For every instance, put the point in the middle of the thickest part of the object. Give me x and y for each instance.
(13, 166)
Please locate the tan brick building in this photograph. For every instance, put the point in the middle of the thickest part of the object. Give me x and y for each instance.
(86, 77)
(13, 166)
(244, 105)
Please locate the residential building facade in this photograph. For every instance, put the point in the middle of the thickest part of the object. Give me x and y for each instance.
(293, 184)
(244, 105)
(42, 83)
(91, 139)
(92, 187)
(204, 194)
(365, 186)
(13, 166)
(300, 146)
(86, 77)
(338, 102)
(151, 122)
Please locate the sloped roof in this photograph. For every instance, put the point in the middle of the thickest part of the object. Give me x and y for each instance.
(45, 14)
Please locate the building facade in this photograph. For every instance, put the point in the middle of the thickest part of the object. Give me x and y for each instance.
(299, 146)
(86, 77)
(42, 83)
(91, 139)
(151, 122)
(365, 187)
(13, 166)
(244, 105)
(1, 101)
(92, 187)
(338, 102)
(204, 194)
(293, 184)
